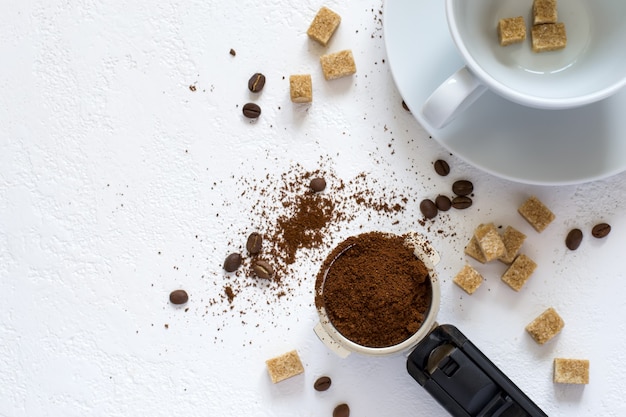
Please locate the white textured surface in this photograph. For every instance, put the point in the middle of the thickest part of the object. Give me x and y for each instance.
(119, 184)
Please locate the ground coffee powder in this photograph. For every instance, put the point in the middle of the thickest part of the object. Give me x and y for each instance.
(376, 292)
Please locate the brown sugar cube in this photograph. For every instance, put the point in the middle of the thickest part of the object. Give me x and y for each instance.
(513, 240)
(547, 325)
(284, 366)
(339, 64)
(519, 271)
(472, 249)
(469, 279)
(544, 11)
(301, 88)
(489, 241)
(571, 371)
(548, 37)
(323, 25)
(536, 213)
(511, 30)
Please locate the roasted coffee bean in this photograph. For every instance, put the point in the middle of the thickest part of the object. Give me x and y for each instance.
(232, 52)
(443, 203)
(251, 110)
(441, 167)
(263, 270)
(573, 239)
(256, 82)
(428, 208)
(179, 297)
(255, 240)
(601, 230)
(461, 202)
(232, 262)
(462, 187)
(318, 184)
(322, 383)
(342, 410)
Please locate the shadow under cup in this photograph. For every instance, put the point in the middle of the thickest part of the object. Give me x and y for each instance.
(591, 67)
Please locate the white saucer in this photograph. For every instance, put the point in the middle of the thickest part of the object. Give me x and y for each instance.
(508, 140)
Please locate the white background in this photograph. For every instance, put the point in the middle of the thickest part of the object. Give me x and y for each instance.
(119, 184)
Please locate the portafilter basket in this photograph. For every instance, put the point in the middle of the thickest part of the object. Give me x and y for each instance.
(343, 346)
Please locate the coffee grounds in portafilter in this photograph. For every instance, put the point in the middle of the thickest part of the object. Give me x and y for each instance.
(377, 292)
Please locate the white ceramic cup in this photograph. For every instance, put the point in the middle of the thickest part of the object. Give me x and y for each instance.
(591, 67)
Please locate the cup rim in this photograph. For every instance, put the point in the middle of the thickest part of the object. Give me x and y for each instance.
(515, 95)
(422, 250)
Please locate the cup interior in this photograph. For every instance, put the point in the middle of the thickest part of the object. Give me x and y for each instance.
(592, 66)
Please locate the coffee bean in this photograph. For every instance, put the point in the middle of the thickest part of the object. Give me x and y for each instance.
(342, 410)
(251, 110)
(600, 230)
(428, 208)
(443, 203)
(441, 167)
(255, 240)
(322, 383)
(232, 52)
(573, 239)
(263, 270)
(256, 82)
(462, 187)
(461, 202)
(179, 297)
(318, 184)
(232, 262)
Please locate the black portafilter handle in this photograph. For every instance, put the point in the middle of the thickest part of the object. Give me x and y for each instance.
(463, 380)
